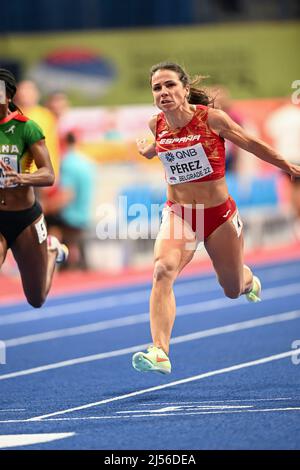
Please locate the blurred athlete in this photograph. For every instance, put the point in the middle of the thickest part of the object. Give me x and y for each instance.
(189, 140)
(22, 226)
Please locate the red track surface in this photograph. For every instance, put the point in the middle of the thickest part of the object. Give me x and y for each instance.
(69, 282)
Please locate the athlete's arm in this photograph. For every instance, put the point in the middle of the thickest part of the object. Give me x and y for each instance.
(44, 176)
(225, 127)
(145, 148)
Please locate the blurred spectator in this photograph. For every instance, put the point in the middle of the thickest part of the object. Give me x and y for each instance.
(283, 126)
(222, 100)
(110, 126)
(77, 183)
(58, 103)
(27, 98)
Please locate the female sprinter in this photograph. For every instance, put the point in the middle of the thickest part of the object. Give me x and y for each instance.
(22, 226)
(189, 140)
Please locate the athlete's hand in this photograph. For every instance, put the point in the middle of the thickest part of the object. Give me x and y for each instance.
(145, 148)
(11, 176)
(294, 171)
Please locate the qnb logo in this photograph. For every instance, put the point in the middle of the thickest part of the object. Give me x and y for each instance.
(296, 94)
(186, 153)
(170, 157)
(2, 353)
(296, 357)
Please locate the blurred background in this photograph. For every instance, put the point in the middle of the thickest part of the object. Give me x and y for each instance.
(83, 67)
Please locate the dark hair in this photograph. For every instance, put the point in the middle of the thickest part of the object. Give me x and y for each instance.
(11, 88)
(196, 95)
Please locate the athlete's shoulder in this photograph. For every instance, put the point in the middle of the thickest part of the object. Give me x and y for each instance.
(32, 126)
(202, 112)
(32, 132)
(217, 116)
(153, 123)
(160, 120)
(204, 107)
(21, 118)
(153, 119)
(29, 123)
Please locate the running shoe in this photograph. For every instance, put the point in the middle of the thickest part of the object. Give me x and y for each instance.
(154, 360)
(255, 292)
(55, 245)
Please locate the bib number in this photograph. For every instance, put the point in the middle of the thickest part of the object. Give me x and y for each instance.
(41, 230)
(12, 161)
(186, 164)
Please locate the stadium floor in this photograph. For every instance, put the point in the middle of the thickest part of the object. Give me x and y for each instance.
(68, 382)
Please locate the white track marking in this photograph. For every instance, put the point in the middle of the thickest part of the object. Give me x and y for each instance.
(14, 409)
(214, 401)
(177, 408)
(189, 309)
(131, 298)
(18, 440)
(181, 404)
(102, 303)
(158, 415)
(271, 319)
(72, 362)
(197, 281)
(77, 330)
(153, 415)
(225, 370)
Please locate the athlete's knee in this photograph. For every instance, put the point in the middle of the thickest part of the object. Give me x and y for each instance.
(233, 292)
(36, 302)
(164, 271)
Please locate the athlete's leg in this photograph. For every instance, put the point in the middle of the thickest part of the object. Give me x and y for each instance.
(225, 247)
(174, 248)
(3, 249)
(36, 263)
(295, 197)
(295, 201)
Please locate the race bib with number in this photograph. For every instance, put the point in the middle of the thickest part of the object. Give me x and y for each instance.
(12, 161)
(186, 164)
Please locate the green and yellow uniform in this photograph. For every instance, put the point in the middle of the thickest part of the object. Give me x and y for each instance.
(17, 134)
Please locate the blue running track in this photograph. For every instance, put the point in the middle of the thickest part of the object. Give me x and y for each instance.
(68, 382)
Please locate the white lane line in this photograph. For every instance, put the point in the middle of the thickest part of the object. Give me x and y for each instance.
(268, 320)
(131, 298)
(18, 440)
(269, 275)
(158, 415)
(270, 272)
(152, 415)
(214, 401)
(263, 360)
(102, 303)
(189, 309)
(176, 408)
(77, 330)
(14, 409)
